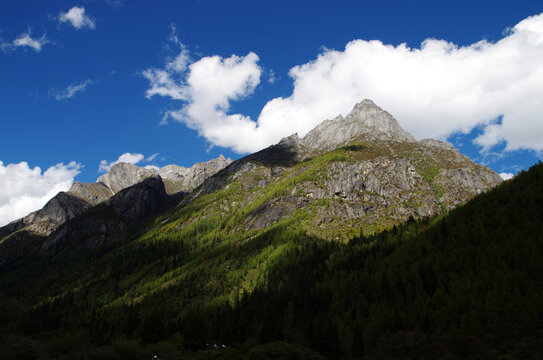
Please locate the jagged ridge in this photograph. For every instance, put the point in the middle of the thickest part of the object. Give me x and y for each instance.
(129, 205)
(376, 175)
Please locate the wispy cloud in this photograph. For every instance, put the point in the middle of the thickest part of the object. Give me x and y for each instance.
(25, 40)
(115, 4)
(271, 77)
(76, 16)
(70, 91)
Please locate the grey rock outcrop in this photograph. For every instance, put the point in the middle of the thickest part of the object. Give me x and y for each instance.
(178, 178)
(17, 224)
(62, 207)
(174, 173)
(24, 235)
(111, 222)
(123, 175)
(366, 120)
(93, 193)
(140, 200)
(436, 143)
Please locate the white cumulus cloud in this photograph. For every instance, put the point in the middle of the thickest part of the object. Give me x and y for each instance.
(70, 91)
(131, 158)
(434, 90)
(24, 189)
(209, 86)
(506, 176)
(76, 16)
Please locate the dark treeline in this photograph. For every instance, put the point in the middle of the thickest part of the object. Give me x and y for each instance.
(465, 285)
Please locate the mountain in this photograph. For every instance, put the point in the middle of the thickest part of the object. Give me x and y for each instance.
(23, 235)
(269, 247)
(178, 178)
(124, 175)
(359, 170)
(462, 285)
(366, 121)
(457, 286)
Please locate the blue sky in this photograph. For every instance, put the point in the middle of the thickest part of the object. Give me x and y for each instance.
(84, 82)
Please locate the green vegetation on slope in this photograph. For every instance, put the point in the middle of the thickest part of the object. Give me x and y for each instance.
(457, 286)
(465, 285)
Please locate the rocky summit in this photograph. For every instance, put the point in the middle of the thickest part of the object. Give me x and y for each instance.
(359, 170)
(178, 178)
(123, 175)
(366, 122)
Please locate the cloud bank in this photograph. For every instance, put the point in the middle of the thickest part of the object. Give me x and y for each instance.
(24, 189)
(131, 158)
(434, 91)
(76, 16)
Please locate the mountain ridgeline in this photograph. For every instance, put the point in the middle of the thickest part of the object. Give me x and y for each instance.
(379, 173)
(351, 242)
(131, 193)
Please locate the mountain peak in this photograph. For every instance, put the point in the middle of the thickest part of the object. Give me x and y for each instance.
(366, 120)
(365, 105)
(123, 175)
(179, 178)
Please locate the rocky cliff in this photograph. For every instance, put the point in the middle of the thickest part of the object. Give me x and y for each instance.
(109, 222)
(178, 178)
(123, 175)
(366, 122)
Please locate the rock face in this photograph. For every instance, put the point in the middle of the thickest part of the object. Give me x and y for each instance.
(93, 193)
(24, 235)
(62, 207)
(123, 175)
(140, 200)
(373, 186)
(90, 231)
(178, 178)
(111, 223)
(81, 196)
(366, 120)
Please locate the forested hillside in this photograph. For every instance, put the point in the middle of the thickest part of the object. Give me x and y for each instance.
(462, 285)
